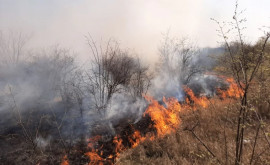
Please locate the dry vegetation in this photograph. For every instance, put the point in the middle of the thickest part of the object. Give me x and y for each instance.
(213, 127)
(56, 112)
(230, 131)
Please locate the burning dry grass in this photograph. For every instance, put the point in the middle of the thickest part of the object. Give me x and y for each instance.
(213, 127)
(200, 130)
(208, 114)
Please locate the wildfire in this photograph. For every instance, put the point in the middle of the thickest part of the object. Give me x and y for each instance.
(94, 158)
(118, 145)
(65, 160)
(136, 139)
(233, 90)
(166, 120)
(201, 101)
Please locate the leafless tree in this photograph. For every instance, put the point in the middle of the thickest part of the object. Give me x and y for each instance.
(114, 71)
(12, 46)
(178, 58)
(244, 63)
(140, 80)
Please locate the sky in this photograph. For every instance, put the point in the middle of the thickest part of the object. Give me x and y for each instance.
(137, 24)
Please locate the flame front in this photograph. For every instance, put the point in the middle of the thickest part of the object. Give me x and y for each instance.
(166, 120)
(201, 101)
(233, 90)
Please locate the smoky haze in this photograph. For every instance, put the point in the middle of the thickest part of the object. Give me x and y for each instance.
(71, 70)
(137, 25)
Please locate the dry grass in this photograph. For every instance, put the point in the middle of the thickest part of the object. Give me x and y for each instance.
(216, 128)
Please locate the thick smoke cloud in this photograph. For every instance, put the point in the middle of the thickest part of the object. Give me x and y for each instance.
(48, 85)
(45, 85)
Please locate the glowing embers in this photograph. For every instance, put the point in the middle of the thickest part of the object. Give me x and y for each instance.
(94, 158)
(117, 145)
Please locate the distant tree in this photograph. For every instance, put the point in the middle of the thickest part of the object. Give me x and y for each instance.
(178, 58)
(12, 46)
(114, 71)
(140, 80)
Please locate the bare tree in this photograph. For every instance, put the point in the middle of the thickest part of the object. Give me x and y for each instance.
(178, 58)
(140, 80)
(12, 46)
(114, 71)
(244, 64)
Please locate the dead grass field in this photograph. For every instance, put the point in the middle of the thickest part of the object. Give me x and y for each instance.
(214, 127)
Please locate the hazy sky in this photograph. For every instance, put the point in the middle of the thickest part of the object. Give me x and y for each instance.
(137, 24)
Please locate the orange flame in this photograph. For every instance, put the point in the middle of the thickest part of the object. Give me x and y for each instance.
(166, 119)
(119, 146)
(136, 139)
(65, 160)
(201, 101)
(94, 158)
(233, 91)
